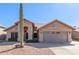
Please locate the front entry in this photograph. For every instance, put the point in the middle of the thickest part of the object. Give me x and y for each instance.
(25, 33)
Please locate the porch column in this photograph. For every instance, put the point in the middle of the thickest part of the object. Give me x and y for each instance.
(7, 37)
(41, 37)
(18, 33)
(30, 33)
(69, 37)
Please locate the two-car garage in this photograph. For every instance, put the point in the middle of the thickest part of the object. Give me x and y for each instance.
(55, 36)
(55, 31)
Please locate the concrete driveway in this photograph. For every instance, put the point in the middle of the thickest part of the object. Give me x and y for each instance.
(71, 49)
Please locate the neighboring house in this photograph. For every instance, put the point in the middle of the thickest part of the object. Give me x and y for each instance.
(55, 31)
(75, 34)
(2, 32)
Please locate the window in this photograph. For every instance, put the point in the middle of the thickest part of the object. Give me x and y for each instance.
(53, 32)
(57, 32)
(35, 35)
(14, 35)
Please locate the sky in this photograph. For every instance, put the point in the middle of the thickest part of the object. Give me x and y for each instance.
(40, 13)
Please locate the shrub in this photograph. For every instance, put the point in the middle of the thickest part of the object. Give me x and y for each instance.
(32, 41)
(10, 39)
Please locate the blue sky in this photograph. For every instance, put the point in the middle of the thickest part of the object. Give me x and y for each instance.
(40, 13)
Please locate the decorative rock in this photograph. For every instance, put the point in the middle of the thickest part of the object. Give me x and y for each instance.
(18, 46)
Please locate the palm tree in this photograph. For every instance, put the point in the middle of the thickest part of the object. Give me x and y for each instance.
(21, 28)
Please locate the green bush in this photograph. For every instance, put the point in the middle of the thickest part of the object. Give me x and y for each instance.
(10, 39)
(32, 41)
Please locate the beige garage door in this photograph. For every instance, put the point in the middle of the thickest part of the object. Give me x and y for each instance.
(55, 36)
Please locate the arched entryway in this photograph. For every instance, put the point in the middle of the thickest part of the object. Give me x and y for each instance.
(25, 33)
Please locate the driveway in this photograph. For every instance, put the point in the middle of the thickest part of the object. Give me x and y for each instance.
(70, 49)
(7, 48)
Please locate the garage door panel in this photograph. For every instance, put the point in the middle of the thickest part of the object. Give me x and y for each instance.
(55, 36)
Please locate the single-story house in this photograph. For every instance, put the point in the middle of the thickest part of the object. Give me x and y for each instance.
(55, 31)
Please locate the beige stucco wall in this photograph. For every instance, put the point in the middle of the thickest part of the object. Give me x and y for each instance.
(69, 37)
(56, 26)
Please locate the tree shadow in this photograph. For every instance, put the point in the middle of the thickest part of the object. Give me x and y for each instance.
(48, 45)
(8, 50)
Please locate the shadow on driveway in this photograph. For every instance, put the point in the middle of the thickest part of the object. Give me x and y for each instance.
(7, 43)
(38, 45)
(7, 50)
(47, 45)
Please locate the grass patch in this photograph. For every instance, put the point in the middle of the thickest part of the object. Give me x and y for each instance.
(10, 39)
